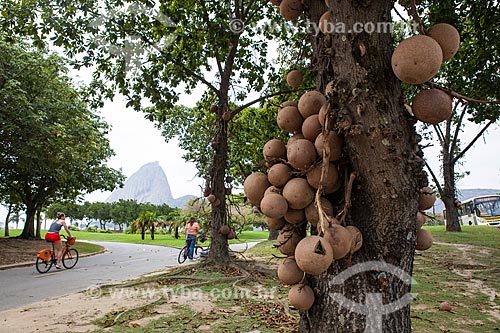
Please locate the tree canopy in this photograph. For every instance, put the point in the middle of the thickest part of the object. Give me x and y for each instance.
(52, 146)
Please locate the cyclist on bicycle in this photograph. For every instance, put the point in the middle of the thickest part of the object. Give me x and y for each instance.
(53, 236)
(192, 229)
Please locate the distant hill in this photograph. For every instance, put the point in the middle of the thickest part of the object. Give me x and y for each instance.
(464, 194)
(148, 184)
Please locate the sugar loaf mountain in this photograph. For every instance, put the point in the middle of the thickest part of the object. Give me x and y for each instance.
(148, 184)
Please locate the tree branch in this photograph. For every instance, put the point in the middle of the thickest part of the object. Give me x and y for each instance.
(188, 71)
(462, 98)
(414, 13)
(434, 178)
(440, 134)
(457, 129)
(462, 153)
(260, 99)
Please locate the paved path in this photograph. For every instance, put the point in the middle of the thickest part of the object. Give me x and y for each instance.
(121, 261)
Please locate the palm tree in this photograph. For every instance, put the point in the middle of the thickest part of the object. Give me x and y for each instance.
(147, 220)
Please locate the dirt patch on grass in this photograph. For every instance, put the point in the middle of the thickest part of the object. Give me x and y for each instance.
(14, 250)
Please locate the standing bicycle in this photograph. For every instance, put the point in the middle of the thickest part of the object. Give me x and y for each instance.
(199, 251)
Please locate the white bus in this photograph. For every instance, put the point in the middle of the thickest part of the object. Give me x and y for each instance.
(483, 210)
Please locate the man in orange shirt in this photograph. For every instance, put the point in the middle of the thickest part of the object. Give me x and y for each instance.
(192, 229)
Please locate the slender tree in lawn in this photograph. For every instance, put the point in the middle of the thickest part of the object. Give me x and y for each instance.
(472, 71)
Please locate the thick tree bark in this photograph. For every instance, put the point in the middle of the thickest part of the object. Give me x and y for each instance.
(382, 148)
(29, 225)
(448, 196)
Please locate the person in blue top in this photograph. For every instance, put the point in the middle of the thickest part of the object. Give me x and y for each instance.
(53, 236)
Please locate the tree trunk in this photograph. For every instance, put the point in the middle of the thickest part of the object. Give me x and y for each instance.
(38, 224)
(152, 229)
(448, 196)
(143, 232)
(382, 148)
(176, 234)
(29, 225)
(273, 234)
(9, 211)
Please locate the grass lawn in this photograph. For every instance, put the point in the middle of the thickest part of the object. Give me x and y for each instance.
(473, 235)
(464, 273)
(160, 239)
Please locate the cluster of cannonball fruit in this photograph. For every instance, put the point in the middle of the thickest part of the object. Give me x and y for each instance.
(226, 230)
(286, 193)
(426, 200)
(418, 59)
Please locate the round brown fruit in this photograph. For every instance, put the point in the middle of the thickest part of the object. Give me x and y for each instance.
(295, 216)
(311, 127)
(325, 23)
(289, 273)
(420, 220)
(301, 296)
(301, 154)
(331, 181)
(432, 106)
(417, 59)
(426, 199)
(274, 149)
(254, 187)
(273, 190)
(294, 78)
(340, 240)
(275, 224)
(231, 235)
(216, 203)
(323, 113)
(213, 108)
(225, 229)
(447, 37)
(274, 205)
(290, 9)
(357, 238)
(279, 174)
(226, 116)
(287, 241)
(289, 119)
(295, 137)
(312, 214)
(310, 103)
(424, 240)
(275, 2)
(445, 306)
(211, 198)
(288, 103)
(335, 143)
(298, 193)
(313, 255)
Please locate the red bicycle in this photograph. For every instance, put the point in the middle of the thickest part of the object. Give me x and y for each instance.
(46, 257)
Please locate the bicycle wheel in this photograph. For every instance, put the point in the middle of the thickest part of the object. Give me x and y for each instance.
(70, 258)
(183, 255)
(43, 266)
